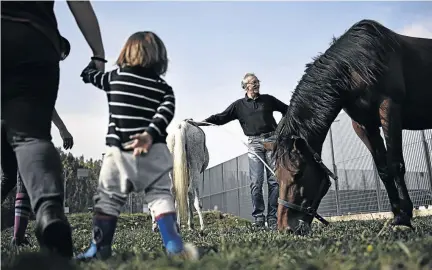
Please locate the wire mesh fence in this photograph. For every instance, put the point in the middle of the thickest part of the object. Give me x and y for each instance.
(226, 187)
(360, 190)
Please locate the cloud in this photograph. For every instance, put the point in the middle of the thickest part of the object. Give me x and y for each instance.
(418, 29)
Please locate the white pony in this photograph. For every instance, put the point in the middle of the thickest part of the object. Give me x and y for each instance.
(187, 144)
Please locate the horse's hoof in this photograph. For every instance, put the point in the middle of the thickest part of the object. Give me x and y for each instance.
(402, 222)
(402, 228)
(286, 230)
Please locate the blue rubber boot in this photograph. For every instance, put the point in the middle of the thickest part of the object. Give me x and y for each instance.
(170, 233)
(103, 232)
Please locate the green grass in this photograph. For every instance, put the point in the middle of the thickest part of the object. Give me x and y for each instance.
(230, 243)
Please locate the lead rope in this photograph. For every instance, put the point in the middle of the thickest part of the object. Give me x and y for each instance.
(245, 144)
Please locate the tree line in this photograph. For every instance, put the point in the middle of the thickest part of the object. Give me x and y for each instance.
(79, 192)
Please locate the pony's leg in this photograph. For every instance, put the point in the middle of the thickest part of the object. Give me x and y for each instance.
(198, 207)
(190, 208)
(154, 224)
(371, 137)
(391, 121)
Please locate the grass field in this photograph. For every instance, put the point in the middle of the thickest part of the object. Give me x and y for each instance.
(230, 243)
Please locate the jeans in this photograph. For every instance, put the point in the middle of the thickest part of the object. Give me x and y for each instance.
(256, 174)
(30, 80)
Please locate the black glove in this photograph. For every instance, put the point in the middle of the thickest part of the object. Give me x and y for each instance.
(85, 73)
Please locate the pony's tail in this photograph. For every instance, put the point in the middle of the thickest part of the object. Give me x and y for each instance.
(180, 170)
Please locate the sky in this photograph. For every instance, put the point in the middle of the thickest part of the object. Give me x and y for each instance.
(211, 45)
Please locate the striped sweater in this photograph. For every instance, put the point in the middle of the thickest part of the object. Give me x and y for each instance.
(138, 100)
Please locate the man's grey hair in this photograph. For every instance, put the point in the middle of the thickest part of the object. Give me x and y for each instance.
(246, 76)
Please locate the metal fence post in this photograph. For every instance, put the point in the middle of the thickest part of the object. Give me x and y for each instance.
(238, 186)
(335, 172)
(64, 188)
(223, 194)
(427, 157)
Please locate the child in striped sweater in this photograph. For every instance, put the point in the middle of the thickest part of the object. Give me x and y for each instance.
(141, 106)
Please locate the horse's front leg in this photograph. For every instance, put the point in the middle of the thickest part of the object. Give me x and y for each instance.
(371, 137)
(391, 121)
(155, 227)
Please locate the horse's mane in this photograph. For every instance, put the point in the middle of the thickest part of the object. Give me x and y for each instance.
(357, 58)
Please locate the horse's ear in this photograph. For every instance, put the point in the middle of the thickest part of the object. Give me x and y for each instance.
(296, 141)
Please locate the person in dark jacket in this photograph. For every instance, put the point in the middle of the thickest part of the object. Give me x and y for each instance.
(255, 113)
(31, 50)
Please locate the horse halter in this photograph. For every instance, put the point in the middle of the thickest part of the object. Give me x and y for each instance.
(310, 210)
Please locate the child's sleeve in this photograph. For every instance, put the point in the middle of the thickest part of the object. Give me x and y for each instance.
(164, 114)
(97, 78)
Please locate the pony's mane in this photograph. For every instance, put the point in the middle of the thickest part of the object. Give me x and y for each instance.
(360, 51)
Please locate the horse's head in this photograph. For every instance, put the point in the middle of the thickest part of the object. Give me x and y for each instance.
(303, 182)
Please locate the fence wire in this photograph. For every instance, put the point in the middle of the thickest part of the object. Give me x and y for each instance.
(226, 186)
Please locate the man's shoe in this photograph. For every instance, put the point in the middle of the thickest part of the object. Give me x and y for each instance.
(272, 224)
(259, 223)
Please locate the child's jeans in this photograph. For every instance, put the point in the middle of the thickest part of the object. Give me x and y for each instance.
(122, 173)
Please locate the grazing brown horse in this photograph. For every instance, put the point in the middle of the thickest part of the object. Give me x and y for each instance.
(380, 79)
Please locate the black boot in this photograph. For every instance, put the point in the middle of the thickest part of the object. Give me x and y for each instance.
(103, 233)
(53, 231)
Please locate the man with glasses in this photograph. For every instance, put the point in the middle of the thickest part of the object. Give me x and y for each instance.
(255, 114)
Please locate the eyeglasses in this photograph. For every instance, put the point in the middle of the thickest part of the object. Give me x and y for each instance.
(257, 82)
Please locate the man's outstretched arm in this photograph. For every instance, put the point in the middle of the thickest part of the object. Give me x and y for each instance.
(222, 118)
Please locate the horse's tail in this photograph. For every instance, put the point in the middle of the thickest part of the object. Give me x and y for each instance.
(180, 169)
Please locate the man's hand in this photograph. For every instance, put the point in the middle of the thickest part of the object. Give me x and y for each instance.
(67, 139)
(85, 73)
(190, 121)
(142, 142)
(99, 65)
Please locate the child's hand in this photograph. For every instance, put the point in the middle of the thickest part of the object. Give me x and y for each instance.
(142, 142)
(85, 74)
